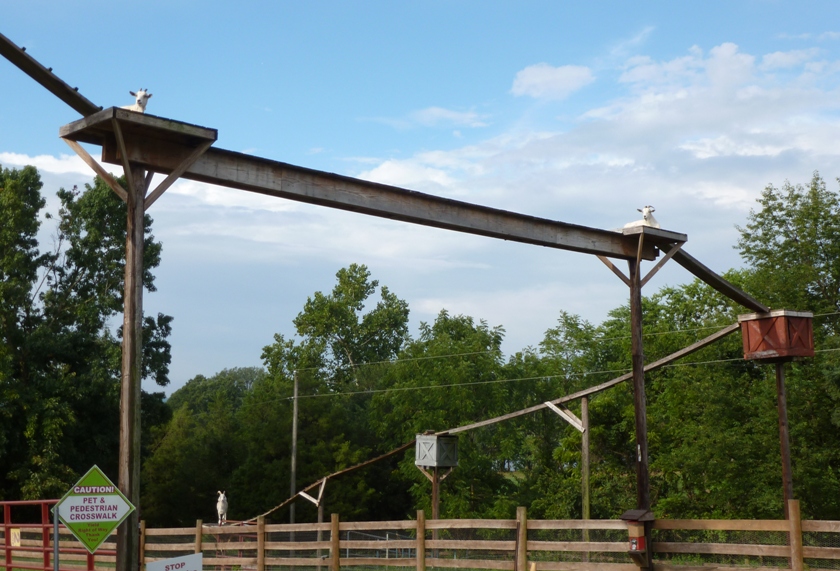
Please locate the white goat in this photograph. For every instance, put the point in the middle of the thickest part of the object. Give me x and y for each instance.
(647, 218)
(140, 99)
(221, 508)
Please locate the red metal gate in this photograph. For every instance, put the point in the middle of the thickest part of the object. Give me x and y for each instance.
(30, 545)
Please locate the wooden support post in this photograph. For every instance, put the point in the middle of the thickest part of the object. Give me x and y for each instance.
(784, 437)
(421, 541)
(199, 536)
(794, 519)
(584, 468)
(436, 493)
(639, 402)
(320, 535)
(261, 543)
(638, 357)
(521, 539)
(335, 544)
(142, 543)
(129, 458)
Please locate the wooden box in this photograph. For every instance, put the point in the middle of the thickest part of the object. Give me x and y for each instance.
(779, 335)
(436, 451)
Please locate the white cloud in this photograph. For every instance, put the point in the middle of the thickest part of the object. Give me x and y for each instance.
(724, 145)
(433, 116)
(785, 60)
(543, 81)
(63, 164)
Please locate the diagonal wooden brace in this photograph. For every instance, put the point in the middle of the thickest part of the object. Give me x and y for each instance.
(175, 174)
(566, 415)
(97, 168)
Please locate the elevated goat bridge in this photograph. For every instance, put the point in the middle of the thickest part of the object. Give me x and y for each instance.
(144, 144)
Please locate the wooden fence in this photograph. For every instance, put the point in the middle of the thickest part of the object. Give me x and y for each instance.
(509, 545)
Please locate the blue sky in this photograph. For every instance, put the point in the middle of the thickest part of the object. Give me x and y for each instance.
(580, 112)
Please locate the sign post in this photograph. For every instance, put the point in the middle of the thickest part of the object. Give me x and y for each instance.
(93, 508)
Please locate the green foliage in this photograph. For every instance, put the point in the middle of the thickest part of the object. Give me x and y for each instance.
(59, 361)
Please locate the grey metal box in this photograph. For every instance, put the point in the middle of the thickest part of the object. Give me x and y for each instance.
(436, 451)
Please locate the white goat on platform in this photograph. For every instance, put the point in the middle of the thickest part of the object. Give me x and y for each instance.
(221, 508)
(647, 218)
(141, 98)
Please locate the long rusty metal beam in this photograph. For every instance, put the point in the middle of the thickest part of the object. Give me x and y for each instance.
(45, 76)
(717, 282)
(160, 144)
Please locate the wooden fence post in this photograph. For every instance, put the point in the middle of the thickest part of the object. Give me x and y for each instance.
(199, 525)
(335, 545)
(421, 541)
(142, 543)
(261, 543)
(521, 539)
(796, 560)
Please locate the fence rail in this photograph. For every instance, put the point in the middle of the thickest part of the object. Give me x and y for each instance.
(419, 545)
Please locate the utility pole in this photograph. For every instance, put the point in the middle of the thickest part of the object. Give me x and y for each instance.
(293, 488)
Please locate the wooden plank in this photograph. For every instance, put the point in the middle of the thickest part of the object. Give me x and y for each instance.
(292, 561)
(288, 527)
(378, 544)
(826, 525)
(470, 544)
(465, 563)
(722, 549)
(471, 524)
(223, 546)
(169, 531)
(717, 282)
(602, 546)
(576, 566)
(141, 129)
(577, 524)
(301, 545)
(377, 525)
(821, 552)
(172, 546)
(663, 566)
(723, 524)
(376, 562)
(229, 561)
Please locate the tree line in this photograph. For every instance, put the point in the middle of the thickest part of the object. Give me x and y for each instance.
(368, 386)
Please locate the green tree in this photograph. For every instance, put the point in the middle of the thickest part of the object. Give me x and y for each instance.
(59, 361)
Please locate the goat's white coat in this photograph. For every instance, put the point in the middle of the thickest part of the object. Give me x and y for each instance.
(141, 98)
(647, 218)
(222, 507)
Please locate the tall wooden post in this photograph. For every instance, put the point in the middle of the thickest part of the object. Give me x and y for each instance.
(128, 538)
(638, 356)
(639, 401)
(584, 468)
(784, 437)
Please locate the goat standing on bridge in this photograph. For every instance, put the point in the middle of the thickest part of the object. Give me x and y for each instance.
(141, 98)
(222, 507)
